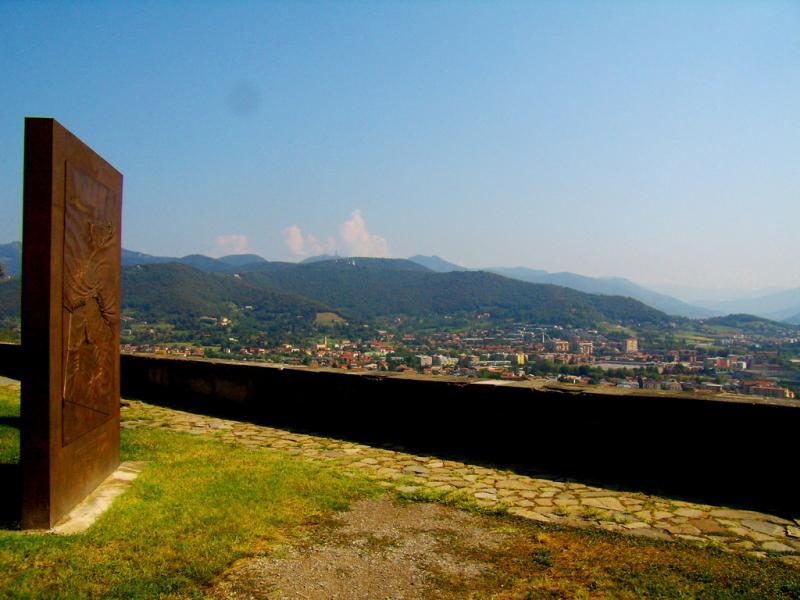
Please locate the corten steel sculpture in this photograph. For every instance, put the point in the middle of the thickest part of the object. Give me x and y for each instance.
(70, 322)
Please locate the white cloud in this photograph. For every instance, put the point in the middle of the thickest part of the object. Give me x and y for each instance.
(354, 240)
(299, 245)
(236, 243)
(358, 241)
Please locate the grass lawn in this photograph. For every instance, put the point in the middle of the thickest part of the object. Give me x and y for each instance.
(201, 504)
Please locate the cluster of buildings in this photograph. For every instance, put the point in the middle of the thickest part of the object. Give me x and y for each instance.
(582, 357)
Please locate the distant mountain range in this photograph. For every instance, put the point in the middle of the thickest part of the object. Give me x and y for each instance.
(784, 305)
(608, 286)
(779, 306)
(612, 286)
(435, 263)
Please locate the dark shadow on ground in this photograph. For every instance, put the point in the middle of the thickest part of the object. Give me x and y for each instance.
(10, 485)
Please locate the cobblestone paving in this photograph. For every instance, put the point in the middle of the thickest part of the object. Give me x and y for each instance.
(554, 500)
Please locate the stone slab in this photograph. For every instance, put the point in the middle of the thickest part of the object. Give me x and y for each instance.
(607, 503)
(777, 547)
(762, 527)
(95, 504)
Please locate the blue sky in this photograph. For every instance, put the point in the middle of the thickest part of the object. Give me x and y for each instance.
(656, 141)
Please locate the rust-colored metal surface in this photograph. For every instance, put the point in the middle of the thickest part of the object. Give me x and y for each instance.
(70, 321)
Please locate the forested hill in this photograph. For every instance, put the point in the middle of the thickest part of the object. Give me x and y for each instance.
(174, 292)
(366, 288)
(359, 289)
(749, 324)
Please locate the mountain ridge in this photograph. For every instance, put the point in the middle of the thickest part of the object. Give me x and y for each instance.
(783, 305)
(610, 286)
(362, 289)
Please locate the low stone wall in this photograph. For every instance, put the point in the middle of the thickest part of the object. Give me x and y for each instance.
(740, 453)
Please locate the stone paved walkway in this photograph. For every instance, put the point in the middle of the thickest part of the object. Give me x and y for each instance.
(545, 500)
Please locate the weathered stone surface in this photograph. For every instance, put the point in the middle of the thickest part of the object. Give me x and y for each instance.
(692, 538)
(514, 484)
(635, 525)
(776, 547)
(485, 496)
(565, 502)
(95, 504)
(681, 529)
(775, 519)
(653, 534)
(743, 545)
(606, 503)
(416, 470)
(793, 531)
(762, 527)
(759, 537)
(692, 513)
(727, 513)
(707, 525)
(529, 514)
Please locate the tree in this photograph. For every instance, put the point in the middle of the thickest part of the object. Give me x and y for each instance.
(2, 271)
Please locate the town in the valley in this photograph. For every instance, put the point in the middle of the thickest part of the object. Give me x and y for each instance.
(711, 363)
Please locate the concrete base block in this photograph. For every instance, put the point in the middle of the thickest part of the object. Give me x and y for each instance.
(95, 504)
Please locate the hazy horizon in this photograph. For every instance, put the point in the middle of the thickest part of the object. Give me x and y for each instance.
(656, 142)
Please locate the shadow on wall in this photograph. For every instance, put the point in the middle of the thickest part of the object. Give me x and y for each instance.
(11, 498)
(731, 453)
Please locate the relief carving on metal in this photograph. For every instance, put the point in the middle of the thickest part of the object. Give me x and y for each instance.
(90, 305)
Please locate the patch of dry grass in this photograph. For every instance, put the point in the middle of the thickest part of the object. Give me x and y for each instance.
(560, 562)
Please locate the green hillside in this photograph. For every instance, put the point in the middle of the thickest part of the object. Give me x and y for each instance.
(367, 288)
(175, 292)
(748, 324)
(359, 289)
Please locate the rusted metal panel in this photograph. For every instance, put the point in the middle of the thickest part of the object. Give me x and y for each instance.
(70, 321)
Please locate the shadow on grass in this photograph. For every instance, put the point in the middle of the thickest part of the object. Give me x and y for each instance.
(14, 422)
(11, 497)
(10, 484)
